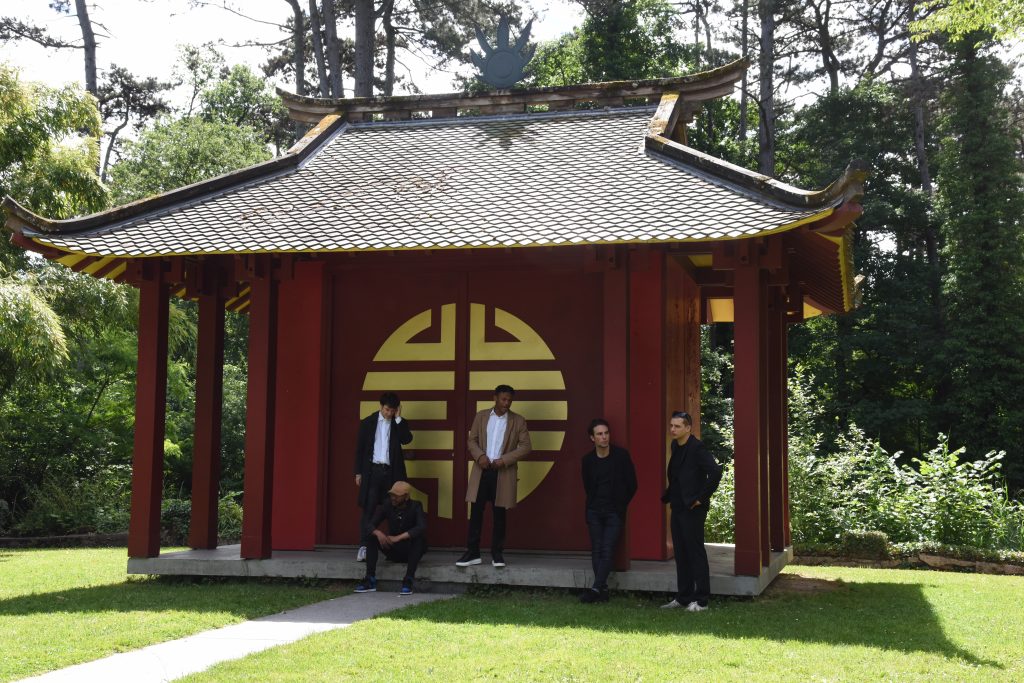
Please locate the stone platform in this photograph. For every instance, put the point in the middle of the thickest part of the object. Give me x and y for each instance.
(551, 570)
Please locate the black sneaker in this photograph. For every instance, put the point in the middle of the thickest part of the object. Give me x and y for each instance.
(497, 559)
(468, 559)
(603, 596)
(367, 585)
(590, 595)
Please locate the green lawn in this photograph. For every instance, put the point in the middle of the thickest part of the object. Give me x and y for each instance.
(842, 624)
(63, 607)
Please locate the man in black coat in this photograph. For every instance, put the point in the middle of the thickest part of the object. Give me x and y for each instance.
(405, 540)
(693, 475)
(379, 460)
(609, 480)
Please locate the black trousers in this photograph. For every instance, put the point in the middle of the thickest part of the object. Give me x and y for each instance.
(409, 551)
(605, 528)
(487, 492)
(692, 574)
(378, 487)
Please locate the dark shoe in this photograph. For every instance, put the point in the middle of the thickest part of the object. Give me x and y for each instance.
(468, 559)
(406, 588)
(497, 559)
(367, 585)
(590, 595)
(604, 595)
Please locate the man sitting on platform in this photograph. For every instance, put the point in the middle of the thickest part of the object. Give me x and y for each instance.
(406, 540)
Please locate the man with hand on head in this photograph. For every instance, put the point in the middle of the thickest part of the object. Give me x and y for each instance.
(497, 440)
(405, 540)
(693, 475)
(609, 480)
(379, 460)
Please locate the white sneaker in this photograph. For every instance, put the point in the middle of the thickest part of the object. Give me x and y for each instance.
(361, 554)
(696, 607)
(672, 605)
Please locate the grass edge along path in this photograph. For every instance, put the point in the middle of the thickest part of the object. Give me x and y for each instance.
(62, 607)
(830, 624)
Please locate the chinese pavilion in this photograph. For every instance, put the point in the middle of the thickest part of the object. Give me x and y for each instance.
(566, 241)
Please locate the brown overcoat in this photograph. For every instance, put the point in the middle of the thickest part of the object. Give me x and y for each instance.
(515, 446)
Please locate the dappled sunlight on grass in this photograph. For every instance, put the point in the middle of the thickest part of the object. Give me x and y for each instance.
(841, 624)
(62, 607)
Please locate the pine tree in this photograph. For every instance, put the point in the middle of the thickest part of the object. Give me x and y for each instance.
(981, 206)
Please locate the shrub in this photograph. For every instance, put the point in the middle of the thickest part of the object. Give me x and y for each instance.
(59, 507)
(940, 497)
(175, 516)
(229, 520)
(868, 545)
(5, 516)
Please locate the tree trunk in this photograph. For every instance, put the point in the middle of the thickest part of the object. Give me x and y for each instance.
(110, 148)
(743, 53)
(333, 48)
(829, 62)
(766, 128)
(364, 48)
(315, 29)
(88, 44)
(299, 45)
(390, 38)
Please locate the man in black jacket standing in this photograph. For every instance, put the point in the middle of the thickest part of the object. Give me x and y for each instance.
(405, 540)
(693, 475)
(610, 483)
(379, 460)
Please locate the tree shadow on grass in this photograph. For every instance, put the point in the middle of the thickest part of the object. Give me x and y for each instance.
(887, 616)
(239, 597)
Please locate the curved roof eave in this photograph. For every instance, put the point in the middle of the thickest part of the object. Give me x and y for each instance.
(310, 143)
(849, 187)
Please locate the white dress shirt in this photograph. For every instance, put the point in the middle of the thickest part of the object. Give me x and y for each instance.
(382, 439)
(496, 435)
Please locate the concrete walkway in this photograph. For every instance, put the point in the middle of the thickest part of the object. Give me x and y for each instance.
(170, 660)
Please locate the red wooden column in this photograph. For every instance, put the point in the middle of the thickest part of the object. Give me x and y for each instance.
(749, 312)
(257, 497)
(209, 394)
(303, 397)
(777, 436)
(682, 340)
(648, 434)
(150, 407)
(615, 373)
(765, 440)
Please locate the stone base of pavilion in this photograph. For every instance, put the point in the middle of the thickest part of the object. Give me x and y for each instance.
(438, 572)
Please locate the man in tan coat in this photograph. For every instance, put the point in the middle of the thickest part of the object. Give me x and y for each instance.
(497, 440)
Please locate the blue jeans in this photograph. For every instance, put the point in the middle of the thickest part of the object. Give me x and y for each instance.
(604, 533)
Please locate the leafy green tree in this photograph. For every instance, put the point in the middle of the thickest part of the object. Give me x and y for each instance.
(981, 206)
(175, 153)
(626, 39)
(241, 98)
(48, 150)
(964, 19)
(875, 365)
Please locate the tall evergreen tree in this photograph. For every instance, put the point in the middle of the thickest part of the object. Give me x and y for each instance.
(981, 206)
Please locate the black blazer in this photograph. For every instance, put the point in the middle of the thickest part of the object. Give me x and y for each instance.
(411, 518)
(400, 435)
(693, 474)
(623, 478)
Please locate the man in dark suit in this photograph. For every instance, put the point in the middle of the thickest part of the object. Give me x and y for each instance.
(379, 460)
(609, 480)
(693, 475)
(405, 540)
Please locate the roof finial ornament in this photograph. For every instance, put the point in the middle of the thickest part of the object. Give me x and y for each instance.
(502, 66)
